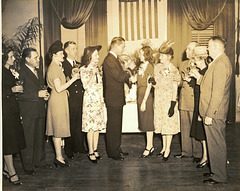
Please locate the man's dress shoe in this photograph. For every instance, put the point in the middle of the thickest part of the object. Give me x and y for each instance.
(124, 153)
(208, 174)
(211, 181)
(29, 172)
(117, 158)
(45, 166)
(181, 156)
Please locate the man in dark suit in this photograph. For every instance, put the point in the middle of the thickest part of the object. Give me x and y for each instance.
(114, 78)
(75, 143)
(213, 107)
(33, 112)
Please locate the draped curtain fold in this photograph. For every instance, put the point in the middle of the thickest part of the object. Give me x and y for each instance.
(177, 22)
(96, 28)
(202, 13)
(73, 13)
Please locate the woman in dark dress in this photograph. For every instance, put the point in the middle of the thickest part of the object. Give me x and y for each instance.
(13, 136)
(197, 129)
(145, 98)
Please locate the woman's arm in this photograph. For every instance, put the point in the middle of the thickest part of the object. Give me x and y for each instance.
(147, 92)
(59, 88)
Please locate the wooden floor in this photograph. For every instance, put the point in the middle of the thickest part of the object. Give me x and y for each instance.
(134, 173)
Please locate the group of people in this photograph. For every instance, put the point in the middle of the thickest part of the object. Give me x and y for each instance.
(78, 92)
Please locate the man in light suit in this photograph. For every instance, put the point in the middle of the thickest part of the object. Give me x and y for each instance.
(75, 143)
(114, 78)
(213, 107)
(190, 147)
(33, 112)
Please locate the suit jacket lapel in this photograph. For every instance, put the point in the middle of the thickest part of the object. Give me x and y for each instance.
(32, 75)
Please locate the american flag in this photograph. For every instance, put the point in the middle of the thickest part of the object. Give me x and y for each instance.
(139, 19)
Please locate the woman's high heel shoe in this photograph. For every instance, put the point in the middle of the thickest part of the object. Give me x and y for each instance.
(5, 174)
(160, 154)
(92, 158)
(15, 182)
(97, 155)
(58, 163)
(150, 152)
(201, 165)
(166, 158)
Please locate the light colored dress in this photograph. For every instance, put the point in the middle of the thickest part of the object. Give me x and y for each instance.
(145, 119)
(164, 90)
(58, 124)
(93, 104)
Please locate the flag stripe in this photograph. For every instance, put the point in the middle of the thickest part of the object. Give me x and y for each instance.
(139, 19)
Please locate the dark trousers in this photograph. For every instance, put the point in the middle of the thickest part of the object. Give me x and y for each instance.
(190, 146)
(75, 143)
(217, 150)
(114, 130)
(34, 153)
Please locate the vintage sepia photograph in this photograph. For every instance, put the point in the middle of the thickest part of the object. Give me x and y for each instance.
(120, 95)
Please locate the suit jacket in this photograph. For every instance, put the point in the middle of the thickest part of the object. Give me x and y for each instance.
(186, 98)
(215, 89)
(30, 104)
(76, 90)
(114, 78)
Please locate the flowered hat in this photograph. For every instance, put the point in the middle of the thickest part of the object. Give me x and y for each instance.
(200, 51)
(166, 48)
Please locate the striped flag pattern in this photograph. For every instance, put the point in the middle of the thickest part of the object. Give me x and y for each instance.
(138, 19)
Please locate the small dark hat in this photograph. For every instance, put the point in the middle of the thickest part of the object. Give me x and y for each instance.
(90, 49)
(55, 47)
(88, 53)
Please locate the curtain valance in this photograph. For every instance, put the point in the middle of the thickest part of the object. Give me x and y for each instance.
(202, 13)
(73, 13)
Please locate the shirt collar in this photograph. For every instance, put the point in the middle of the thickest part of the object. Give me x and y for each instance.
(70, 61)
(113, 54)
(31, 68)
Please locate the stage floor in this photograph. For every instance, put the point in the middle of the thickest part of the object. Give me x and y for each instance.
(134, 173)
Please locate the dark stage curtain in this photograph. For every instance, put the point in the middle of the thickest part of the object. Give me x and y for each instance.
(52, 28)
(202, 13)
(96, 28)
(73, 13)
(178, 30)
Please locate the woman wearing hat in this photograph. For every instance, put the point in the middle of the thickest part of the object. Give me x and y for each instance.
(13, 135)
(93, 105)
(145, 98)
(197, 130)
(58, 112)
(165, 104)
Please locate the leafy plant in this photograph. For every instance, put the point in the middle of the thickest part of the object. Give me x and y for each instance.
(26, 36)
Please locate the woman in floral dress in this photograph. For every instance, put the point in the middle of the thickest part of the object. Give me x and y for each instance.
(145, 98)
(93, 105)
(165, 104)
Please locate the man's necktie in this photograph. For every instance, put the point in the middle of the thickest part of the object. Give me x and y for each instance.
(35, 73)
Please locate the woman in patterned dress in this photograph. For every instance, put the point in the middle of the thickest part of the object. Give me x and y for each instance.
(93, 105)
(145, 98)
(165, 99)
(58, 124)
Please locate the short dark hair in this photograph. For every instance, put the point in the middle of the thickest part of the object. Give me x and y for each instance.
(220, 39)
(67, 44)
(27, 52)
(5, 52)
(116, 40)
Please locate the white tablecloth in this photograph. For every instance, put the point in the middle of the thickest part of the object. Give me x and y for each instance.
(130, 118)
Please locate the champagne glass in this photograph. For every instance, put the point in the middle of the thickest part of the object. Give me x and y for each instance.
(19, 83)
